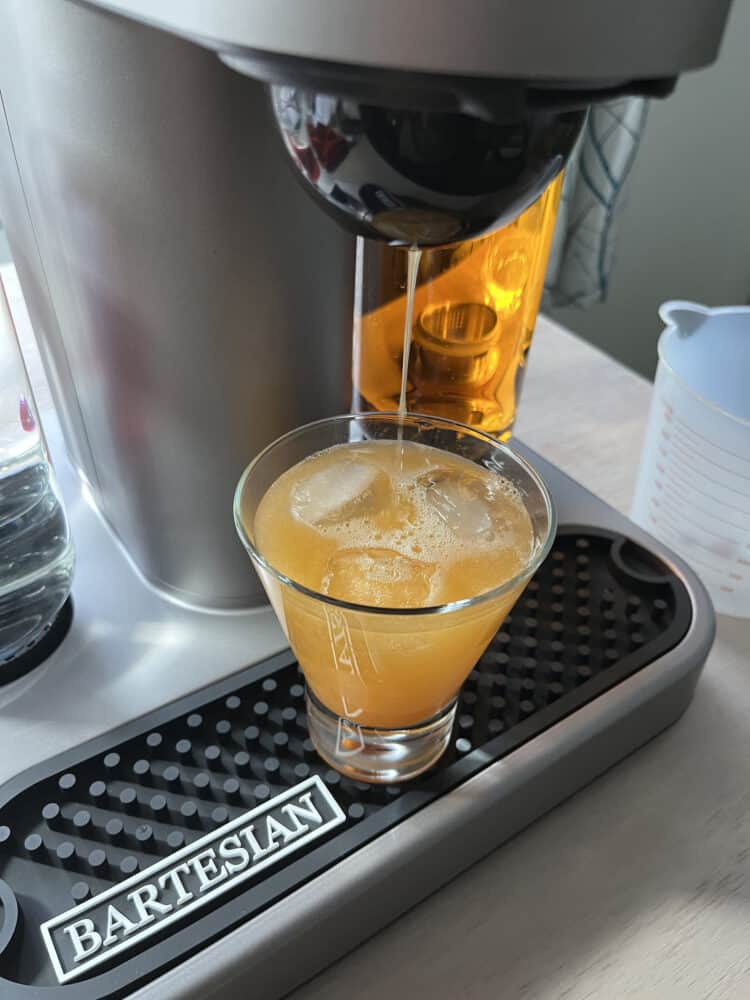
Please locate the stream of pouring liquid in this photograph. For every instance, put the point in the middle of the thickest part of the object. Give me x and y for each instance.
(412, 269)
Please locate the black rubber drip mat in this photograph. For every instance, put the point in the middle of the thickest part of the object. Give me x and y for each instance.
(124, 811)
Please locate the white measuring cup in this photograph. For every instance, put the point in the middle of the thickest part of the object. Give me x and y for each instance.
(693, 488)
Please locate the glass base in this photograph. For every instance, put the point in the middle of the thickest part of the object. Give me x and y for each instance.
(379, 756)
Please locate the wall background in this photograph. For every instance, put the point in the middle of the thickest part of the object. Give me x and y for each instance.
(685, 231)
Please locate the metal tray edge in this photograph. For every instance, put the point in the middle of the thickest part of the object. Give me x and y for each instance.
(430, 848)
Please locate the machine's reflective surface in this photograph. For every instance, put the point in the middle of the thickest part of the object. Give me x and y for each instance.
(424, 177)
(191, 302)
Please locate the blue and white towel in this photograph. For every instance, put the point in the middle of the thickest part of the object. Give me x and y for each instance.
(591, 203)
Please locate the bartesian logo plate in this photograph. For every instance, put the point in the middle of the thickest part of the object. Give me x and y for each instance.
(117, 920)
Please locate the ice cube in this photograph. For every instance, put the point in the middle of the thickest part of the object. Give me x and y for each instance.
(462, 501)
(379, 577)
(340, 491)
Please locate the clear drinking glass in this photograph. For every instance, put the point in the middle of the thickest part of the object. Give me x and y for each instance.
(382, 682)
(36, 551)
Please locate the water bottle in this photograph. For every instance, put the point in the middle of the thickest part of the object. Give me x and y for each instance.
(36, 552)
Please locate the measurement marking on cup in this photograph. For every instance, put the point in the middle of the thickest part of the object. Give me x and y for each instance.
(706, 548)
(713, 444)
(350, 739)
(683, 483)
(676, 513)
(702, 510)
(680, 436)
(681, 543)
(342, 647)
(679, 449)
(670, 501)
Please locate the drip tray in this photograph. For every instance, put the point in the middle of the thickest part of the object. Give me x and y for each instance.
(206, 844)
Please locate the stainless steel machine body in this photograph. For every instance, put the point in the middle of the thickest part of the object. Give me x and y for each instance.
(191, 303)
(604, 41)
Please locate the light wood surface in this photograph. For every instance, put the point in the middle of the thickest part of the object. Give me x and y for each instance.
(639, 886)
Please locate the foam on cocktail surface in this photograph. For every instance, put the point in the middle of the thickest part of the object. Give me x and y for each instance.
(394, 524)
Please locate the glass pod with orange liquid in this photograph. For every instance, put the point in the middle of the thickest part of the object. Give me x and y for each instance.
(475, 309)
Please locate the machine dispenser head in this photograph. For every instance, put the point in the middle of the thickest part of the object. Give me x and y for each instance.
(422, 176)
